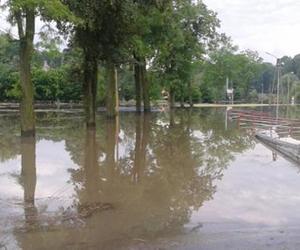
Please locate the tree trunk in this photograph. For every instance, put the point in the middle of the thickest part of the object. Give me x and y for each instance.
(26, 50)
(172, 118)
(145, 87)
(182, 101)
(190, 94)
(138, 85)
(171, 98)
(112, 95)
(90, 87)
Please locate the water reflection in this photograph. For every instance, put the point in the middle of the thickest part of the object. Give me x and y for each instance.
(112, 150)
(140, 177)
(28, 178)
(141, 142)
(91, 167)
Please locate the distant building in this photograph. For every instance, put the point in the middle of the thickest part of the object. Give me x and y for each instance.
(46, 67)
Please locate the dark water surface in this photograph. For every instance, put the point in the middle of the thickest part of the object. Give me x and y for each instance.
(185, 180)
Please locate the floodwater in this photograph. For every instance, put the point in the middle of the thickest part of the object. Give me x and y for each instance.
(182, 180)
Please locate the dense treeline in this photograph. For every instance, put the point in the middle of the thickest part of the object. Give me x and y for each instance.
(57, 75)
(128, 50)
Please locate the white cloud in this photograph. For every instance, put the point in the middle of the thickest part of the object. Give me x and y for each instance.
(261, 25)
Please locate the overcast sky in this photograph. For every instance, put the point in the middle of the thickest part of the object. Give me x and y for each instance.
(261, 25)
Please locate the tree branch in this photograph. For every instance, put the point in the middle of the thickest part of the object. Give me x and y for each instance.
(30, 24)
(19, 20)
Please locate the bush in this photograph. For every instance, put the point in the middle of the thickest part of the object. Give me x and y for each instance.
(55, 84)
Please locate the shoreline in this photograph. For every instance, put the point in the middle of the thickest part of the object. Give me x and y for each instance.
(129, 106)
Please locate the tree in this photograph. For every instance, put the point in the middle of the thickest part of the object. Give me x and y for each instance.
(85, 35)
(242, 69)
(23, 13)
(60, 81)
(101, 35)
(47, 49)
(266, 78)
(147, 27)
(287, 82)
(189, 29)
(8, 65)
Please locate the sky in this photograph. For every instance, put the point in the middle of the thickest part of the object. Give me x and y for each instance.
(262, 25)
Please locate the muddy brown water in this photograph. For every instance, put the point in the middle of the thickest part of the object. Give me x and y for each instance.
(181, 180)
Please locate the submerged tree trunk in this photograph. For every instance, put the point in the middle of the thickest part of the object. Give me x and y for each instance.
(145, 87)
(138, 85)
(26, 51)
(90, 87)
(112, 95)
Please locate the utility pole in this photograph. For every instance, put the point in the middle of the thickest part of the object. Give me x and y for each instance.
(288, 87)
(278, 66)
(288, 90)
(229, 91)
(278, 79)
(262, 93)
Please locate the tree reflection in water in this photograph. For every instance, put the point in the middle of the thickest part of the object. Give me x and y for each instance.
(27, 180)
(28, 177)
(140, 179)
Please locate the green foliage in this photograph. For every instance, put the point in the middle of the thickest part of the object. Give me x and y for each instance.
(48, 49)
(208, 93)
(8, 67)
(104, 27)
(155, 87)
(188, 28)
(253, 96)
(49, 10)
(126, 83)
(60, 82)
(177, 41)
(244, 71)
(48, 84)
(13, 92)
